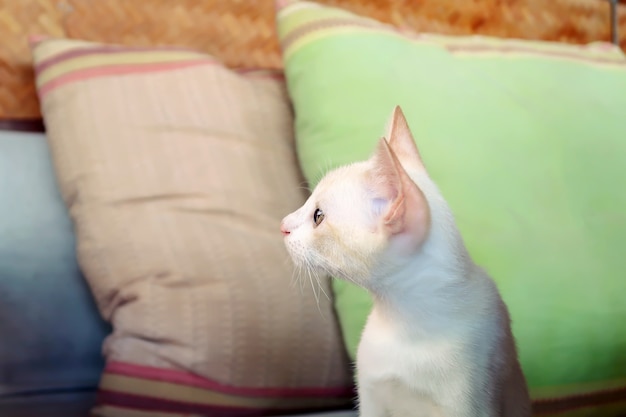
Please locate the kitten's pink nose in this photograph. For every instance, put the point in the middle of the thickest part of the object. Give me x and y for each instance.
(283, 229)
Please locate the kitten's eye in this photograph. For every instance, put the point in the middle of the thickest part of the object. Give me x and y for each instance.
(318, 217)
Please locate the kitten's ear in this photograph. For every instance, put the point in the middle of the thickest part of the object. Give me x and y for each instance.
(407, 211)
(401, 140)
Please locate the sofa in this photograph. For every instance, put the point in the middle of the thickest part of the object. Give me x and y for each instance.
(142, 270)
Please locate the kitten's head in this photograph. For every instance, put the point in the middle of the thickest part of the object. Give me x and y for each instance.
(365, 216)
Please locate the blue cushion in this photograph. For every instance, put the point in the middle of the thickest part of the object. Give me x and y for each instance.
(50, 330)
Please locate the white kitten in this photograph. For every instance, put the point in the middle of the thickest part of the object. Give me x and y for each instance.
(438, 341)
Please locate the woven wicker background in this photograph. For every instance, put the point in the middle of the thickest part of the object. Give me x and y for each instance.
(241, 32)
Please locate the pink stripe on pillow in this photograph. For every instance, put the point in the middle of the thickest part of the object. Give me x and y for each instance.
(118, 70)
(104, 50)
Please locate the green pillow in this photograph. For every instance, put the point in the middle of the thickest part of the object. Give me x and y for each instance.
(527, 141)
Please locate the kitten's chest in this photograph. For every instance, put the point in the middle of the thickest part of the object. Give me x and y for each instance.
(409, 369)
(398, 400)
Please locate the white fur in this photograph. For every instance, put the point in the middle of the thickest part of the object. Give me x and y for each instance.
(438, 340)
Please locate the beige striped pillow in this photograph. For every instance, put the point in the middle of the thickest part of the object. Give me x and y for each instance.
(176, 172)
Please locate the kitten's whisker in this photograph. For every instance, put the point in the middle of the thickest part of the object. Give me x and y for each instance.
(322, 170)
(289, 262)
(305, 184)
(301, 269)
(298, 277)
(311, 271)
(320, 285)
(317, 298)
(305, 188)
(294, 279)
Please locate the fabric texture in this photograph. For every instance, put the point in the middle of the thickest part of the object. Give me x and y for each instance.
(525, 140)
(50, 329)
(176, 172)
